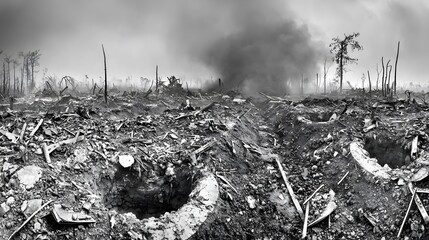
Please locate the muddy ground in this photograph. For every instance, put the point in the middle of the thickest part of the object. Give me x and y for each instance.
(174, 138)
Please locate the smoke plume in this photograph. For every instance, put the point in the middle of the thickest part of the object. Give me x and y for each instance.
(257, 46)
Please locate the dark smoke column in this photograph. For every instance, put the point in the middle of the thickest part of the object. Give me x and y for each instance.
(267, 53)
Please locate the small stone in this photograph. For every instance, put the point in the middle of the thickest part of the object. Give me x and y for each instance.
(251, 201)
(126, 160)
(32, 206)
(4, 208)
(37, 226)
(10, 200)
(86, 206)
(401, 182)
(9, 224)
(29, 175)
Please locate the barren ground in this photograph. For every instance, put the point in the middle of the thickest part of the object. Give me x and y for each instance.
(245, 138)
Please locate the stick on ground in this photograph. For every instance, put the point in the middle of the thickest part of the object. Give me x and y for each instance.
(304, 230)
(29, 218)
(406, 214)
(312, 195)
(290, 190)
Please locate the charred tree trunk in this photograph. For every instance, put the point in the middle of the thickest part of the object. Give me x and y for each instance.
(156, 79)
(382, 77)
(369, 81)
(22, 78)
(14, 78)
(32, 78)
(388, 84)
(4, 79)
(396, 67)
(341, 71)
(105, 75)
(324, 77)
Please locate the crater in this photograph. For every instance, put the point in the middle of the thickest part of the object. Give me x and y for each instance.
(320, 116)
(146, 197)
(387, 151)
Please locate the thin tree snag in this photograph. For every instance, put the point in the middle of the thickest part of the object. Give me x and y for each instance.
(105, 75)
(369, 81)
(290, 190)
(396, 66)
(389, 87)
(156, 79)
(382, 76)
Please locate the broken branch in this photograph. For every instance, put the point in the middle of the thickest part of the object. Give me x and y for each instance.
(29, 218)
(290, 190)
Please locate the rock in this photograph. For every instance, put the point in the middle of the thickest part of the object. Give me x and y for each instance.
(10, 200)
(4, 208)
(37, 226)
(170, 170)
(135, 236)
(420, 175)
(251, 201)
(126, 160)
(401, 182)
(9, 168)
(28, 207)
(29, 175)
(86, 206)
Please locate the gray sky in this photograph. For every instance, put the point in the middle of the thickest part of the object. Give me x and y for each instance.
(180, 35)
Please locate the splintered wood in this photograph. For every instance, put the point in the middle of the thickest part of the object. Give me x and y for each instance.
(406, 214)
(290, 190)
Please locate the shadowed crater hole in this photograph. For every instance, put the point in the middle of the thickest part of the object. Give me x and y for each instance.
(320, 116)
(148, 197)
(387, 151)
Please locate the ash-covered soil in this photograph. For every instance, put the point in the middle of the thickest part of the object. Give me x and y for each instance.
(240, 140)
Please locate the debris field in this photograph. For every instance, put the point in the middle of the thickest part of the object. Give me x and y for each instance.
(213, 166)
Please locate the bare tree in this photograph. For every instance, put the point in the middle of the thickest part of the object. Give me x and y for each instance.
(396, 67)
(339, 47)
(325, 73)
(382, 77)
(378, 76)
(369, 81)
(105, 75)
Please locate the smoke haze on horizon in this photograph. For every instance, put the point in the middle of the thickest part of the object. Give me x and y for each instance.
(203, 39)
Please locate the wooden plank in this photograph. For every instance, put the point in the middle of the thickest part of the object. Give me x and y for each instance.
(290, 190)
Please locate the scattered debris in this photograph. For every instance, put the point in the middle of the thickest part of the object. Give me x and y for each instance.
(29, 175)
(62, 216)
(126, 161)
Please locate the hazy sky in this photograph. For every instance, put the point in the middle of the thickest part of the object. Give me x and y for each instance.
(178, 35)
